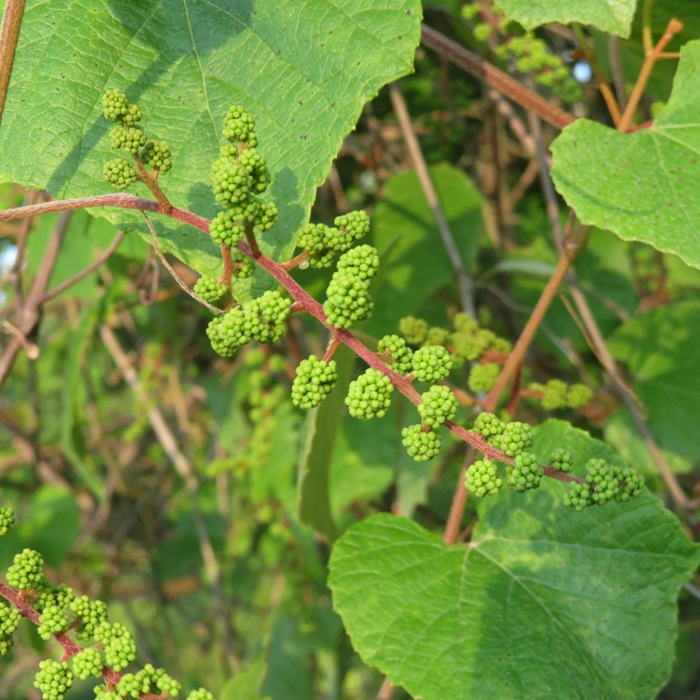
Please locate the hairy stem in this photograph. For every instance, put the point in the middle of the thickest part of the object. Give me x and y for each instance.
(9, 35)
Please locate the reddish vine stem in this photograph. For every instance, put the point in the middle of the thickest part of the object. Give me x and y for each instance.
(476, 66)
(70, 647)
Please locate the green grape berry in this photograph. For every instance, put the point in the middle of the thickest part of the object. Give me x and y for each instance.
(244, 266)
(27, 572)
(266, 216)
(90, 615)
(483, 377)
(87, 663)
(313, 382)
(131, 139)
(200, 694)
(256, 166)
(118, 109)
(464, 323)
(562, 460)
(482, 31)
(482, 478)
(354, 224)
(437, 405)
(267, 316)
(239, 126)
(515, 438)
(157, 155)
(489, 425)
(53, 680)
(578, 395)
(210, 289)
(231, 183)
(436, 336)
(229, 332)
(7, 519)
(431, 363)
(421, 444)
(603, 480)
(413, 329)
(524, 474)
(225, 229)
(399, 355)
(369, 395)
(120, 173)
(52, 621)
(554, 395)
(578, 496)
(9, 619)
(119, 646)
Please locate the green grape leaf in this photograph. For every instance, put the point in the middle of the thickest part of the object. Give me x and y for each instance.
(642, 186)
(303, 70)
(661, 349)
(407, 237)
(317, 443)
(612, 16)
(544, 602)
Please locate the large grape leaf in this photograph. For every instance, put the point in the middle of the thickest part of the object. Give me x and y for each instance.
(304, 69)
(662, 351)
(545, 602)
(612, 16)
(642, 186)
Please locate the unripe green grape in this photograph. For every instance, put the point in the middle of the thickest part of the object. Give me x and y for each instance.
(266, 217)
(464, 323)
(482, 31)
(240, 127)
(578, 395)
(631, 484)
(129, 138)
(119, 646)
(210, 289)
(244, 266)
(267, 316)
(354, 224)
(488, 425)
(90, 614)
(256, 166)
(361, 261)
(7, 519)
(225, 229)
(438, 405)
(230, 182)
(524, 474)
(101, 693)
(115, 105)
(515, 438)
(313, 382)
(436, 336)
(53, 680)
(88, 662)
(157, 155)
(483, 377)
(200, 694)
(554, 396)
(469, 11)
(562, 460)
(27, 572)
(421, 444)
(120, 173)
(227, 333)
(413, 329)
(482, 478)
(578, 496)
(400, 355)
(369, 395)
(348, 298)
(431, 363)
(603, 480)
(501, 345)
(9, 619)
(52, 621)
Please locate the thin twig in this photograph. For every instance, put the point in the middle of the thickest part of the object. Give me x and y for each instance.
(674, 26)
(464, 282)
(109, 251)
(30, 312)
(174, 274)
(476, 66)
(9, 35)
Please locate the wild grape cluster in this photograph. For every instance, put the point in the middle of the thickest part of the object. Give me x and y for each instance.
(556, 394)
(130, 137)
(61, 611)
